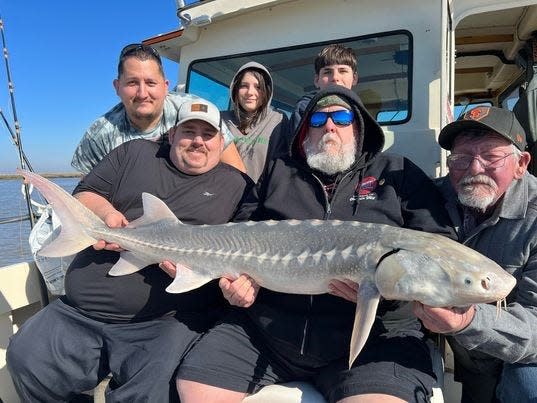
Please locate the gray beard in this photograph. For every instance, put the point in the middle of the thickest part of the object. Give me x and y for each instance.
(330, 163)
(468, 197)
(473, 201)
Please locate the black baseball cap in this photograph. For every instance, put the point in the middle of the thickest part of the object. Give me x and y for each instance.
(502, 121)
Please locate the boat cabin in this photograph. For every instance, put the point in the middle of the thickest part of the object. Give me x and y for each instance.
(420, 64)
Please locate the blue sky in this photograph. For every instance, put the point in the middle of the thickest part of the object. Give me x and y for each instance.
(63, 58)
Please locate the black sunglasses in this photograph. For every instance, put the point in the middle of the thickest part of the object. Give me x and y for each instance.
(135, 47)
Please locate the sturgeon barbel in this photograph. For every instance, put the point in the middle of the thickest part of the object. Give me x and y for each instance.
(291, 256)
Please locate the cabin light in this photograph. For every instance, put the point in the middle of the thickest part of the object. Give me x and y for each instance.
(199, 21)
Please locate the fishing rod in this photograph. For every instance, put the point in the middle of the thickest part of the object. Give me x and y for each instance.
(14, 219)
(14, 140)
(16, 137)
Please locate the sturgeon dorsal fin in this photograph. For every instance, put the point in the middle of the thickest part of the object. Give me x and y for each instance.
(366, 309)
(154, 210)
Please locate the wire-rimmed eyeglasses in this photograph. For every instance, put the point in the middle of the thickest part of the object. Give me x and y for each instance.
(487, 161)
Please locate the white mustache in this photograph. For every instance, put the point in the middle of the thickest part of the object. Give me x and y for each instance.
(478, 180)
(328, 137)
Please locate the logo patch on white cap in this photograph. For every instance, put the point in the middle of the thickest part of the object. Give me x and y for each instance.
(199, 108)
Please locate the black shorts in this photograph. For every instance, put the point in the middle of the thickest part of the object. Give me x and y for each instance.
(234, 356)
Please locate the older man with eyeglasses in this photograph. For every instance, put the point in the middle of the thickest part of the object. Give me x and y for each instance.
(492, 200)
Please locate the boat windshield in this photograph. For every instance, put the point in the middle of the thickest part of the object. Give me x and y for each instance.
(384, 71)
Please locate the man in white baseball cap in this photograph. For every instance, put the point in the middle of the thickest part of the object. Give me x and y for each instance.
(129, 326)
(199, 109)
(196, 141)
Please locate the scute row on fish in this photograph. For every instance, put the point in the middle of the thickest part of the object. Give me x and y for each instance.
(289, 256)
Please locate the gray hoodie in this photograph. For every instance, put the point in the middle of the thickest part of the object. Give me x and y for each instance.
(262, 140)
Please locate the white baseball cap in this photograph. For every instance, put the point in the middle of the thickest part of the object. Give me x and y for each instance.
(199, 109)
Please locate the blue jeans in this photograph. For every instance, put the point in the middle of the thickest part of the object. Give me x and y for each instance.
(518, 383)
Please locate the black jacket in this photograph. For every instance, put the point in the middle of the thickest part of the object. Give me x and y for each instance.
(378, 188)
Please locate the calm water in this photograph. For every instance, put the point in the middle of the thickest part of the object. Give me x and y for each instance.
(14, 236)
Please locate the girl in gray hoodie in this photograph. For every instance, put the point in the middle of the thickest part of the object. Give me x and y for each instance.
(259, 130)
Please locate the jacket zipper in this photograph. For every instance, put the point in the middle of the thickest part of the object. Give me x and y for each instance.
(328, 212)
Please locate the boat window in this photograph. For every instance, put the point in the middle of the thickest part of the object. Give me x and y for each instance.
(510, 99)
(384, 72)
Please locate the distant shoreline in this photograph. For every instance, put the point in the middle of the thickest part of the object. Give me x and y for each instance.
(45, 174)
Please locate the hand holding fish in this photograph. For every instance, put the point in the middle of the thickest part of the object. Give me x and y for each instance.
(168, 267)
(444, 320)
(240, 292)
(346, 289)
(114, 219)
(101, 244)
(104, 209)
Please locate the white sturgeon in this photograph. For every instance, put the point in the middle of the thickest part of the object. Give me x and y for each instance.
(291, 256)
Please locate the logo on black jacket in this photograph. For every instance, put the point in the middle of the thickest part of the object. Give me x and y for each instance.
(365, 189)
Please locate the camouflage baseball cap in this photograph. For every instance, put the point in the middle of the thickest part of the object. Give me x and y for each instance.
(331, 100)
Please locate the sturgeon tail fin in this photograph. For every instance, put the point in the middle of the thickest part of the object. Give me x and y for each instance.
(75, 218)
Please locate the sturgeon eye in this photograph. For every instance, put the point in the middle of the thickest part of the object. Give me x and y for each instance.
(467, 281)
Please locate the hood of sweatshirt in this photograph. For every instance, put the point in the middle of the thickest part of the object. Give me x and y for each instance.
(370, 139)
(262, 69)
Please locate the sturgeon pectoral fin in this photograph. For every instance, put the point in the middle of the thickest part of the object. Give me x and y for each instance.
(366, 310)
(186, 280)
(128, 263)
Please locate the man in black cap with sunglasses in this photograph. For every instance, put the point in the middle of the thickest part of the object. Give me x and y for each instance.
(129, 326)
(334, 170)
(492, 200)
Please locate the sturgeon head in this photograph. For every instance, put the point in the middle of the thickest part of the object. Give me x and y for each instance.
(439, 272)
(431, 269)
